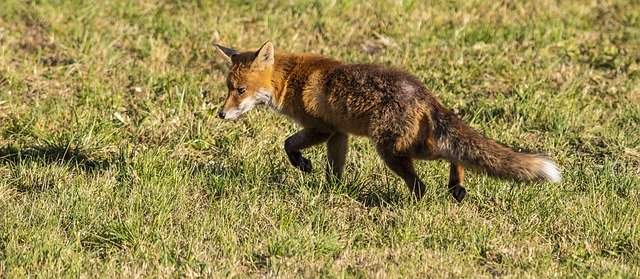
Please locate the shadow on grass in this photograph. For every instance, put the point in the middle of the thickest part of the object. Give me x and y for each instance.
(360, 190)
(51, 154)
(219, 173)
(374, 198)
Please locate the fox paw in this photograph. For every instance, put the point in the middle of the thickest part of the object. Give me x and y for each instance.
(303, 164)
(298, 161)
(458, 192)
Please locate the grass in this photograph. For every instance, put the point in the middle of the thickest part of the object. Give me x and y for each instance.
(114, 164)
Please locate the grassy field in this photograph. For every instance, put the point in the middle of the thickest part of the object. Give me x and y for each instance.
(114, 164)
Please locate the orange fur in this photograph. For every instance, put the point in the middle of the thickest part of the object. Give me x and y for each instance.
(403, 119)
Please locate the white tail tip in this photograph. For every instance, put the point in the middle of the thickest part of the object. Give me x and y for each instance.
(550, 171)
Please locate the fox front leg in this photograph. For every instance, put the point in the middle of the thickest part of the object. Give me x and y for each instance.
(303, 139)
(337, 148)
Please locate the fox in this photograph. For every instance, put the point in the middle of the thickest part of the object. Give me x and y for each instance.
(403, 119)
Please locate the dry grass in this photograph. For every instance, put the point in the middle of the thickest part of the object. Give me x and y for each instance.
(113, 164)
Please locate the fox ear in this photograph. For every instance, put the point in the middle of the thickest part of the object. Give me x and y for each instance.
(265, 54)
(228, 52)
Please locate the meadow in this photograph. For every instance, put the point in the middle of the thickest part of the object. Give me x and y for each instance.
(114, 164)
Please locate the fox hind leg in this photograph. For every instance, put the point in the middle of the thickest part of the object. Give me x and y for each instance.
(403, 167)
(303, 139)
(337, 146)
(456, 179)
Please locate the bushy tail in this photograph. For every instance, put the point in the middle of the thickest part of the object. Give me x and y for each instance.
(463, 144)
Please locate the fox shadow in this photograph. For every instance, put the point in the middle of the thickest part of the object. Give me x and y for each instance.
(360, 189)
(71, 157)
(375, 198)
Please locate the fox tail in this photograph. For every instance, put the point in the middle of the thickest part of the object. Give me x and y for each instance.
(460, 143)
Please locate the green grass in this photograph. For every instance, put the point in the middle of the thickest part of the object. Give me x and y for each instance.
(99, 179)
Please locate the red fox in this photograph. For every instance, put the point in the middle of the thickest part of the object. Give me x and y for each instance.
(401, 117)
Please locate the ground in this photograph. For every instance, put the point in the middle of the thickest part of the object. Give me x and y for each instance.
(113, 162)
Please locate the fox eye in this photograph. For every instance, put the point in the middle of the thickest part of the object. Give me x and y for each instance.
(241, 90)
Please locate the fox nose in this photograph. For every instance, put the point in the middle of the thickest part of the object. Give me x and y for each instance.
(221, 114)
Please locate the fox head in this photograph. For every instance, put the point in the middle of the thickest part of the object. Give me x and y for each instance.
(249, 80)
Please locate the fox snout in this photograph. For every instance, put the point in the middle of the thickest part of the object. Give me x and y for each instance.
(236, 105)
(230, 110)
(229, 113)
